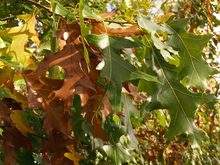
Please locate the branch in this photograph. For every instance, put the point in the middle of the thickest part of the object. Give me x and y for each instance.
(7, 18)
(39, 5)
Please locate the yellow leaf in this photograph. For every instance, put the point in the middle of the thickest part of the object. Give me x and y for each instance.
(164, 18)
(20, 36)
(20, 123)
(72, 155)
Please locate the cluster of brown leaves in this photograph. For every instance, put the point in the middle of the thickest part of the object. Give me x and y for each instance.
(54, 97)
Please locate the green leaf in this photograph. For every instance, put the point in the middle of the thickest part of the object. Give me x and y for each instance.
(161, 118)
(61, 10)
(144, 76)
(117, 153)
(113, 130)
(5, 93)
(115, 96)
(129, 110)
(83, 30)
(8, 60)
(116, 69)
(192, 67)
(156, 30)
(88, 13)
(24, 156)
(179, 101)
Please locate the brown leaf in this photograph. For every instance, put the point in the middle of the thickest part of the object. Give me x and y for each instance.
(55, 117)
(13, 139)
(4, 112)
(71, 60)
(132, 90)
(54, 148)
(91, 111)
(107, 14)
(125, 32)
(100, 28)
(55, 96)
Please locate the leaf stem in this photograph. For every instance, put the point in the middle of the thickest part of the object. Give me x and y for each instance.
(53, 38)
(82, 29)
(100, 102)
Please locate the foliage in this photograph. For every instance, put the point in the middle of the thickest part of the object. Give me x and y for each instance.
(110, 82)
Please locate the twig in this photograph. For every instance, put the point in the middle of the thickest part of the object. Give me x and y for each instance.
(117, 22)
(39, 5)
(7, 18)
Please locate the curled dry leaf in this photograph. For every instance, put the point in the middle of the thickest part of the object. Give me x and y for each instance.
(100, 28)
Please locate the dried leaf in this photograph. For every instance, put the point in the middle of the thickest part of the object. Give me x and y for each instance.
(71, 60)
(125, 32)
(100, 28)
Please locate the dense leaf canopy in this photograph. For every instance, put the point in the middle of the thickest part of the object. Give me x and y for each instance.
(80, 79)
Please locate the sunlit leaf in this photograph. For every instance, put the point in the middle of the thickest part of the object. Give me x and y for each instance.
(61, 10)
(166, 51)
(88, 13)
(72, 155)
(20, 36)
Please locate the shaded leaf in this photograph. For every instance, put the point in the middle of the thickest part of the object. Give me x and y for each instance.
(180, 102)
(144, 76)
(24, 157)
(6, 93)
(54, 147)
(13, 139)
(95, 106)
(20, 123)
(4, 112)
(117, 153)
(128, 110)
(56, 118)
